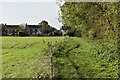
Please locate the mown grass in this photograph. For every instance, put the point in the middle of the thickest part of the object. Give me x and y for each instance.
(20, 56)
(23, 57)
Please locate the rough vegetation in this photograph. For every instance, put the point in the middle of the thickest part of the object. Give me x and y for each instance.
(94, 19)
(99, 23)
(92, 54)
(72, 58)
(75, 58)
(22, 56)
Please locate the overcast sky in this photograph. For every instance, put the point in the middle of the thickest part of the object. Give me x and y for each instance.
(29, 12)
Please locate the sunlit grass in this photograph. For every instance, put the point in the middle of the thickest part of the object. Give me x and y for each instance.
(22, 57)
(20, 54)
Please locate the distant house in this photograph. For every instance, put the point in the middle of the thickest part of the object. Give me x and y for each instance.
(33, 29)
(30, 30)
(64, 29)
(10, 30)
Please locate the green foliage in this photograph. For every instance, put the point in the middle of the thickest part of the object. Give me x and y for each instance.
(22, 32)
(78, 33)
(74, 32)
(77, 58)
(70, 32)
(43, 23)
(46, 28)
(23, 57)
(56, 33)
(92, 34)
(101, 17)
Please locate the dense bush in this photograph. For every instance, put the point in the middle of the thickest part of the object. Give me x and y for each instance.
(92, 34)
(60, 52)
(78, 33)
(74, 32)
(102, 17)
(22, 33)
(56, 33)
(70, 32)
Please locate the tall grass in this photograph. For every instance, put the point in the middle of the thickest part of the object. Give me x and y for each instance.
(76, 58)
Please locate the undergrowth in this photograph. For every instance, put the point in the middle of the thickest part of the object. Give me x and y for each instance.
(72, 59)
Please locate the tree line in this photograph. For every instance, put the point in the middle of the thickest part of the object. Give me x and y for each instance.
(96, 20)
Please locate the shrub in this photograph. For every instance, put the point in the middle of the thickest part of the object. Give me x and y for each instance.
(55, 33)
(91, 33)
(70, 32)
(78, 33)
(61, 58)
(22, 33)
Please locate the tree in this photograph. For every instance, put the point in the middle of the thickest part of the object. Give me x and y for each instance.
(22, 32)
(46, 28)
(43, 23)
(100, 18)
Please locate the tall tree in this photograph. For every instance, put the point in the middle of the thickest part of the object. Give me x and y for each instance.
(46, 28)
(97, 19)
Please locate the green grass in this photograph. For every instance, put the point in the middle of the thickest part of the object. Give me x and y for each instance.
(95, 59)
(0, 58)
(20, 56)
(23, 57)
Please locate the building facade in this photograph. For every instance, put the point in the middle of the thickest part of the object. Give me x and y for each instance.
(31, 30)
(13, 30)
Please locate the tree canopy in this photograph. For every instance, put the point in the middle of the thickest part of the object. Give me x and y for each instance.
(94, 19)
(46, 28)
(43, 23)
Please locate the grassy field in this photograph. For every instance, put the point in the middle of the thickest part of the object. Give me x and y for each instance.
(22, 58)
(92, 59)
(20, 54)
(0, 58)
